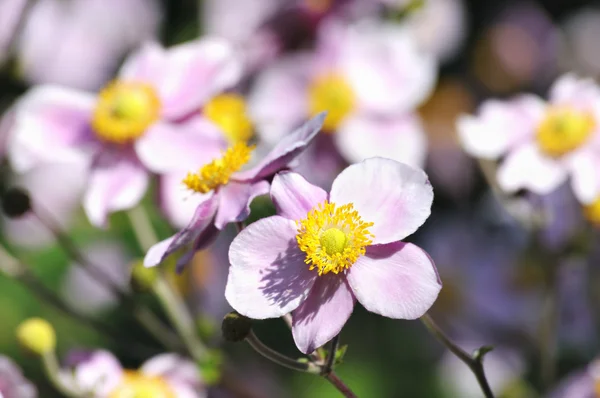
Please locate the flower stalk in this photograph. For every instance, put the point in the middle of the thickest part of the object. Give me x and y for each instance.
(474, 362)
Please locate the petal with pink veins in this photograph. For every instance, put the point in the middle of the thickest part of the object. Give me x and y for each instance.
(115, 184)
(168, 147)
(398, 280)
(267, 277)
(293, 196)
(50, 123)
(400, 138)
(528, 168)
(395, 197)
(323, 314)
(235, 199)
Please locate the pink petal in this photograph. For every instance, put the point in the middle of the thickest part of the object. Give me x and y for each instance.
(177, 202)
(51, 123)
(278, 101)
(169, 147)
(174, 368)
(196, 71)
(323, 314)
(235, 199)
(500, 126)
(386, 69)
(115, 184)
(528, 168)
(400, 138)
(147, 64)
(267, 277)
(100, 374)
(293, 196)
(398, 280)
(395, 197)
(585, 180)
(286, 150)
(199, 224)
(571, 90)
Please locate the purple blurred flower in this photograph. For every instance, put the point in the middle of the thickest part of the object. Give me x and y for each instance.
(79, 43)
(224, 193)
(580, 384)
(12, 382)
(132, 127)
(324, 251)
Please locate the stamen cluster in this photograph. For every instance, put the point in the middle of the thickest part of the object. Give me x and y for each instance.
(320, 237)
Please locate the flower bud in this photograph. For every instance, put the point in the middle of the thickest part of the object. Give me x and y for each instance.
(37, 336)
(15, 202)
(235, 327)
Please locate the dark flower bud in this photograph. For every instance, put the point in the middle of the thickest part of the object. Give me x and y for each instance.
(235, 327)
(15, 202)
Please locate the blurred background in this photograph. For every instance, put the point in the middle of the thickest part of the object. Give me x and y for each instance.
(491, 265)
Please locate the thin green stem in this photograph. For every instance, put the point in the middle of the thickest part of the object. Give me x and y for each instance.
(142, 227)
(475, 363)
(279, 358)
(53, 372)
(158, 329)
(181, 318)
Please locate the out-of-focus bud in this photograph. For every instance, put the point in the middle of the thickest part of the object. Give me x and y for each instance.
(37, 336)
(235, 327)
(15, 202)
(143, 278)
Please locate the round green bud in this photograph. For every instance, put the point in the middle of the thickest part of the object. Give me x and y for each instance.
(37, 336)
(236, 327)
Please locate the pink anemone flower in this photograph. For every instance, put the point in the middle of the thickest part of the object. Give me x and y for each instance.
(132, 127)
(542, 144)
(368, 76)
(322, 252)
(224, 191)
(100, 375)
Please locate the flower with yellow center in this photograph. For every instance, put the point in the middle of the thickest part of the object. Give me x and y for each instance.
(137, 385)
(331, 93)
(219, 171)
(333, 237)
(124, 111)
(563, 130)
(230, 113)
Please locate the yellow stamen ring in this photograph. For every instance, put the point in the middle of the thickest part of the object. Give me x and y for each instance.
(218, 172)
(563, 130)
(331, 93)
(230, 113)
(137, 385)
(124, 111)
(332, 237)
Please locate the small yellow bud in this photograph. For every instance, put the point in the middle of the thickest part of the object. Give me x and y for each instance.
(37, 335)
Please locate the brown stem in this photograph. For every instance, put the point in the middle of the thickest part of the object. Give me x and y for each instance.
(340, 385)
